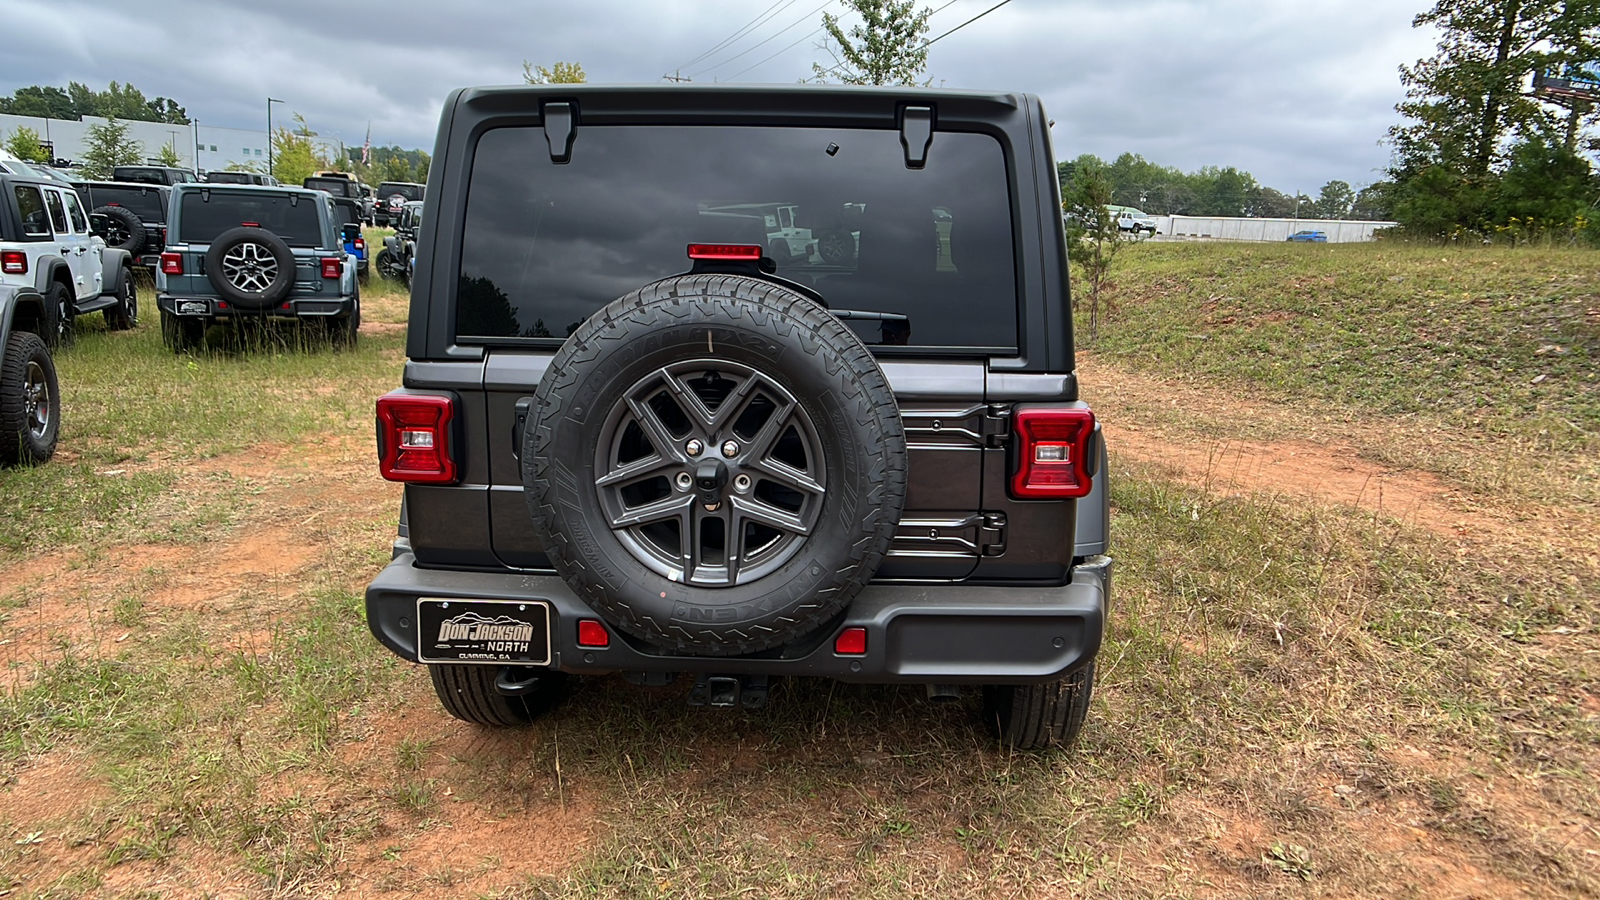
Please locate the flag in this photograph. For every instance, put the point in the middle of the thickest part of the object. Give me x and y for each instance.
(366, 149)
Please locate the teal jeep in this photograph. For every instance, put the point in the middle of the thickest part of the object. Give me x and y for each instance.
(245, 253)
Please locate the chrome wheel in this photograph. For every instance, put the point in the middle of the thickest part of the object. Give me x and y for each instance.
(249, 266)
(703, 516)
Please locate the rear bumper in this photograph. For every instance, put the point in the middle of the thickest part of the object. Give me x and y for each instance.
(916, 634)
(331, 307)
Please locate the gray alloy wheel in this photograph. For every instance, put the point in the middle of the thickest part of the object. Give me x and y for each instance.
(250, 266)
(713, 419)
(715, 464)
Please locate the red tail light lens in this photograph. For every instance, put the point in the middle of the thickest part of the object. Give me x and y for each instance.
(851, 642)
(172, 264)
(14, 262)
(332, 267)
(593, 634)
(361, 245)
(1053, 459)
(725, 251)
(414, 438)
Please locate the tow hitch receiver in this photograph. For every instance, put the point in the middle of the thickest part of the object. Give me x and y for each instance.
(729, 691)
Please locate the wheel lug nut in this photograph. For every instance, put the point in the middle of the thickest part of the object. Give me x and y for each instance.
(684, 481)
(741, 483)
(694, 448)
(730, 449)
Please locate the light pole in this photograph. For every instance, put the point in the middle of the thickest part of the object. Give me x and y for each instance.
(270, 101)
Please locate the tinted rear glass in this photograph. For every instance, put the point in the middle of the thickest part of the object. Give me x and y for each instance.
(291, 217)
(338, 187)
(346, 214)
(231, 178)
(545, 246)
(145, 202)
(409, 191)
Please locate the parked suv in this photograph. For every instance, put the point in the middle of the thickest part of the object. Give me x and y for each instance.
(136, 216)
(153, 175)
(30, 398)
(631, 441)
(239, 178)
(246, 253)
(48, 243)
(392, 197)
(398, 253)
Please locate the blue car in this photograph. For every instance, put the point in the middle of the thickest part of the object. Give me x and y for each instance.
(1309, 237)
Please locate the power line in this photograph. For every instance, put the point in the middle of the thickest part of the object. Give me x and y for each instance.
(733, 37)
(966, 23)
(775, 34)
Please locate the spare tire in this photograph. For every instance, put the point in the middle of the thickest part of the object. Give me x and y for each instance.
(124, 231)
(715, 464)
(252, 268)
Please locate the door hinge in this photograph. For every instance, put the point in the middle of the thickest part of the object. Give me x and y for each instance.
(560, 128)
(519, 426)
(992, 535)
(996, 424)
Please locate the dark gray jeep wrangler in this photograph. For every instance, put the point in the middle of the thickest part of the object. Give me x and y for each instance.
(740, 383)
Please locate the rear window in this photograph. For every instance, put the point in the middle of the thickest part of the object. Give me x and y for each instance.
(338, 187)
(230, 178)
(145, 202)
(206, 214)
(409, 191)
(926, 254)
(346, 214)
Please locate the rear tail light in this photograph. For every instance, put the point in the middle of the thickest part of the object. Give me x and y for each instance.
(14, 262)
(172, 264)
(414, 438)
(332, 267)
(725, 251)
(1054, 446)
(361, 245)
(851, 642)
(591, 633)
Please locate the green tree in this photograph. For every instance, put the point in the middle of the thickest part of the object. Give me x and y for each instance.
(168, 154)
(24, 144)
(1545, 188)
(1466, 101)
(1335, 201)
(1093, 237)
(295, 156)
(107, 146)
(43, 102)
(886, 47)
(560, 73)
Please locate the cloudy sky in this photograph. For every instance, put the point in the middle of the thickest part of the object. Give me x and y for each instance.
(1297, 93)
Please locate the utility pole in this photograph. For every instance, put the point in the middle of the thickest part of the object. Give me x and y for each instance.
(270, 101)
(677, 77)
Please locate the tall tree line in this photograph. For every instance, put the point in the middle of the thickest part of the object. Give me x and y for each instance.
(1134, 181)
(1481, 151)
(117, 101)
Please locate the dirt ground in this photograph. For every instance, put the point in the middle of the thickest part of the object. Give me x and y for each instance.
(301, 525)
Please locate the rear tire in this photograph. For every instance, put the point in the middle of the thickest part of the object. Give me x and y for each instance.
(59, 327)
(1037, 716)
(30, 401)
(125, 314)
(468, 693)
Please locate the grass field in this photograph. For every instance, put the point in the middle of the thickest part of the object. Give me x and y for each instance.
(1299, 696)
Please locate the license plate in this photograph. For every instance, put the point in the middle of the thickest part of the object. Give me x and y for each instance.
(515, 632)
(193, 307)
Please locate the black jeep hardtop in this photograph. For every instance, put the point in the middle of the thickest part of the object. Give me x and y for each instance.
(743, 382)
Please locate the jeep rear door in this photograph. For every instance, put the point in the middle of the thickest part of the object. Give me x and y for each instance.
(920, 266)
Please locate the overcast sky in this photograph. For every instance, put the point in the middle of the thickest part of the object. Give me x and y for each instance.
(1297, 93)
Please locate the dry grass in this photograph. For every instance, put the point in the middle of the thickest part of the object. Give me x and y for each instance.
(1296, 698)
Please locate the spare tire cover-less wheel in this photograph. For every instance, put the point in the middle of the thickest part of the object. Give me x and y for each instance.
(715, 464)
(125, 231)
(251, 268)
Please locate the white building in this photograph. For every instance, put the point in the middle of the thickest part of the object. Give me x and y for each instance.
(1225, 228)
